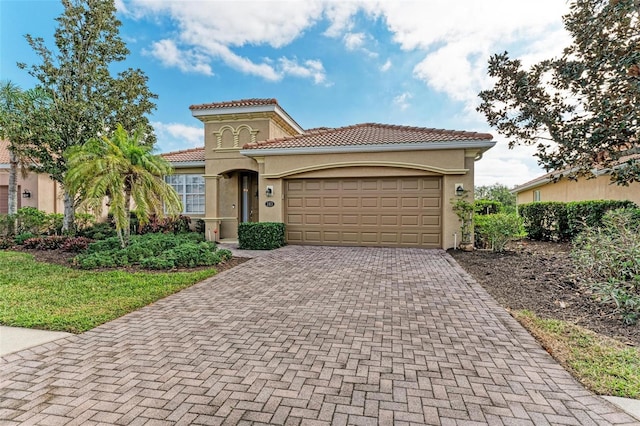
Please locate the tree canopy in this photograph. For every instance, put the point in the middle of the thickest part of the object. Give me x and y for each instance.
(121, 169)
(87, 100)
(580, 110)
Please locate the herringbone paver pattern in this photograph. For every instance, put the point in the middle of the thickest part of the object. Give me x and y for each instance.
(306, 335)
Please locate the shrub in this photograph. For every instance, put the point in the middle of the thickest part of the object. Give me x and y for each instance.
(158, 263)
(545, 221)
(556, 221)
(261, 235)
(224, 254)
(190, 254)
(7, 225)
(21, 238)
(200, 226)
(484, 207)
(498, 229)
(608, 259)
(176, 224)
(96, 260)
(104, 245)
(31, 220)
(50, 242)
(5, 243)
(84, 221)
(98, 231)
(76, 244)
(52, 224)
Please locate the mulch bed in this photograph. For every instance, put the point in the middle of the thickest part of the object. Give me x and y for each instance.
(540, 277)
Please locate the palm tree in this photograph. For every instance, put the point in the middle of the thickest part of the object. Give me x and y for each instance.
(123, 169)
(10, 97)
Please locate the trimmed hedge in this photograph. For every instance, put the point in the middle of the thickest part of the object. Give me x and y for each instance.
(558, 221)
(261, 235)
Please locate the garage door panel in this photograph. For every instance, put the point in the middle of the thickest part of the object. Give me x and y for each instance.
(402, 211)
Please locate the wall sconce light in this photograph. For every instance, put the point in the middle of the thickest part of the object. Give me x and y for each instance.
(459, 189)
(269, 191)
(26, 194)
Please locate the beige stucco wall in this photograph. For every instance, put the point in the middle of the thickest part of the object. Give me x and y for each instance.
(455, 167)
(566, 190)
(45, 193)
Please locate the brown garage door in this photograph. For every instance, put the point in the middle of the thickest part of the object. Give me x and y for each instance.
(394, 212)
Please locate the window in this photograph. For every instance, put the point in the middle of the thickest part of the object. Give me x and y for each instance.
(190, 188)
(536, 195)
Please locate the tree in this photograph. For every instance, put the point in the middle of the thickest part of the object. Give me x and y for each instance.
(581, 110)
(496, 192)
(123, 169)
(15, 105)
(86, 99)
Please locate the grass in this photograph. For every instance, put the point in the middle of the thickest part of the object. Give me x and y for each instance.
(603, 365)
(54, 297)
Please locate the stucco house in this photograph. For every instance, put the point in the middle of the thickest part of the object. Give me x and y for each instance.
(34, 190)
(364, 185)
(543, 188)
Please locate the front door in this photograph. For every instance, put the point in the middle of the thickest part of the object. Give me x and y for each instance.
(249, 197)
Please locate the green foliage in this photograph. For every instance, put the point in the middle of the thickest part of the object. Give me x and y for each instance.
(557, 221)
(84, 221)
(465, 211)
(497, 193)
(31, 220)
(5, 243)
(7, 222)
(122, 168)
(581, 214)
(545, 221)
(98, 231)
(175, 223)
(21, 238)
(53, 223)
(153, 251)
(579, 110)
(261, 235)
(483, 207)
(84, 95)
(496, 230)
(608, 259)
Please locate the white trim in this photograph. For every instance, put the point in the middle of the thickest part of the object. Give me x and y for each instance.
(318, 167)
(415, 146)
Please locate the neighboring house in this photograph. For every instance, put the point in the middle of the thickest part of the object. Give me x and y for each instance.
(543, 188)
(34, 190)
(361, 185)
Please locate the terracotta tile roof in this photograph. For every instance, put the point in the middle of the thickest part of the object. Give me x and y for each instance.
(185, 156)
(236, 104)
(367, 134)
(4, 152)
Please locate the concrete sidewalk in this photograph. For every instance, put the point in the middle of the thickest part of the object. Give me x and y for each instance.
(14, 339)
(307, 335)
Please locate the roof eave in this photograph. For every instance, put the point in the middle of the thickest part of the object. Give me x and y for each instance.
(186, 164)
(482, 145)
(204, 112)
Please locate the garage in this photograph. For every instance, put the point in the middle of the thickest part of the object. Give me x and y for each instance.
(390, 211)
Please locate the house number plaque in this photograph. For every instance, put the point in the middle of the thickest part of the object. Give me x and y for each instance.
(269, 204)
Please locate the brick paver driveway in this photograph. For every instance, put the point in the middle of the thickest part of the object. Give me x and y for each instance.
(308, 336)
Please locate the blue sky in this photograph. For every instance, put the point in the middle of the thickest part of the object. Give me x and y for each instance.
(329, 63)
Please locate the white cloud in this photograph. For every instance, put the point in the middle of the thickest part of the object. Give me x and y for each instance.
(311, 69)
(402, 100)
(176, 136)
(354, 41)
(187, 61)
(386, 66)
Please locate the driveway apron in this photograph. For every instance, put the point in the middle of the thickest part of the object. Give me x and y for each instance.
(306, 335)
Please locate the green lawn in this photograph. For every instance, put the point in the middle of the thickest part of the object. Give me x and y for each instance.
(53, 297)
(602, 364)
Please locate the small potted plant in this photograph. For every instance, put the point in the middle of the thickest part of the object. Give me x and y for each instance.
(464, 210)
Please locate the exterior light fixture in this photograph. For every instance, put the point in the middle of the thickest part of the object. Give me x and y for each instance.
(459, 189)
(26, 194)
